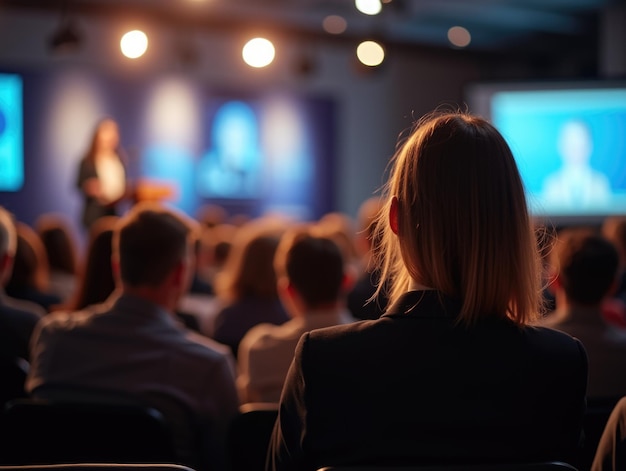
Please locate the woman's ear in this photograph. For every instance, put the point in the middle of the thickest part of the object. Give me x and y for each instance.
(393, 215)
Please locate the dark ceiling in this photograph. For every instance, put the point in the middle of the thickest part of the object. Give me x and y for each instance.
(540, 27)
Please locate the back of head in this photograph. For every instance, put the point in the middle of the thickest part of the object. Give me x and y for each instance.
(313, 264)
(149, 242)
(249, 269)
(614, 229)
(463, 224)
(341, 228)
(30, 267)
(587, 265)
(8, 237)
(58, 242)
(212, 215)
(222, 237)
(8, 241)
(96, 280)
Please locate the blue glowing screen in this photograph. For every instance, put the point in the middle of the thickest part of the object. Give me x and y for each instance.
(570, 146)
(231, 167)
(11, 133)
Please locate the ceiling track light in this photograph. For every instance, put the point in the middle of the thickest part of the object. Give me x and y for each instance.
(66, 38)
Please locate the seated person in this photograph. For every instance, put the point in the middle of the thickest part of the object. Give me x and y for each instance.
(17, 317)
(360, 301)
(614, 229)
(312, 284)
(133, 342)
(246, 287)
(62, 253)
(30, 277)
(611, 451)
(455, 371)
(586, 267)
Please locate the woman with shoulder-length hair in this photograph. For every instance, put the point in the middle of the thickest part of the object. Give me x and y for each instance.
(454, 371)
(102, 176)
(246, 287)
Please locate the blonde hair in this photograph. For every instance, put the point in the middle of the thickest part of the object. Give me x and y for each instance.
(463, 223)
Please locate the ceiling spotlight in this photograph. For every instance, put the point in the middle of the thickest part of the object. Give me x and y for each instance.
(369, 7)
(258, 52)
(370, 53)
(66, 39)
(134, 44)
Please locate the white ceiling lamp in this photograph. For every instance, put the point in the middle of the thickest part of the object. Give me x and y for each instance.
(369, 7)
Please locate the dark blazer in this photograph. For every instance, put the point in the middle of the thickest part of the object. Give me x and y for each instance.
(17, 323)
(416, 387)
(234, 320)
(92, 208)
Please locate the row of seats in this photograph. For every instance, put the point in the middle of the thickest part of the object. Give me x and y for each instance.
(36, 431)
(548, 466)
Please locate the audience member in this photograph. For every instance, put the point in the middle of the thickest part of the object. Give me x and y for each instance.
(211, 215)
(133, 342)
(361, 301)
(614, 229)
(452, 372)
(246, 286)
(546, 235)
(30, 276)
(312, 283)
(611, 451)
(96, 280)
(62, 253)
(17, 317)
(200, 283)
(586, 273)
(216, 243)
(340, 227)
(201, 302)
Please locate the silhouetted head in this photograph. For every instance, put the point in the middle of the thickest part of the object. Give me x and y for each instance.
(249, 269)
(8, 242)
(58, 241)
(586, 265)
(311, 264)
(30, 263)
(96, 281)
(149, 242)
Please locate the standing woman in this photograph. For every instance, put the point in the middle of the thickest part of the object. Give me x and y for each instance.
(102, 174)
(453, 372)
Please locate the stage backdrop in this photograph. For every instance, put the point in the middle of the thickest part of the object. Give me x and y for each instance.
(252, 153)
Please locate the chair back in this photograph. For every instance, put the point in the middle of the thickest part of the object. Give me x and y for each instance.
(249, 436)
(190, 434)
(13, 372)
(595, 419)
(98, 467)
(39, 431)
(539, 466)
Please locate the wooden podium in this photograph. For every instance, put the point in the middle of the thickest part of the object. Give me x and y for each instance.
(153, 190)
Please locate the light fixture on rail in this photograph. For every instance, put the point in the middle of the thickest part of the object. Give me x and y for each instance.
(66, 38)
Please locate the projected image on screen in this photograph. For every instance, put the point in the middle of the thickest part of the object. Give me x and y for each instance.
(271, 153)
(570, 146)
(231, 167)
(576, 184)
(11, 137)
